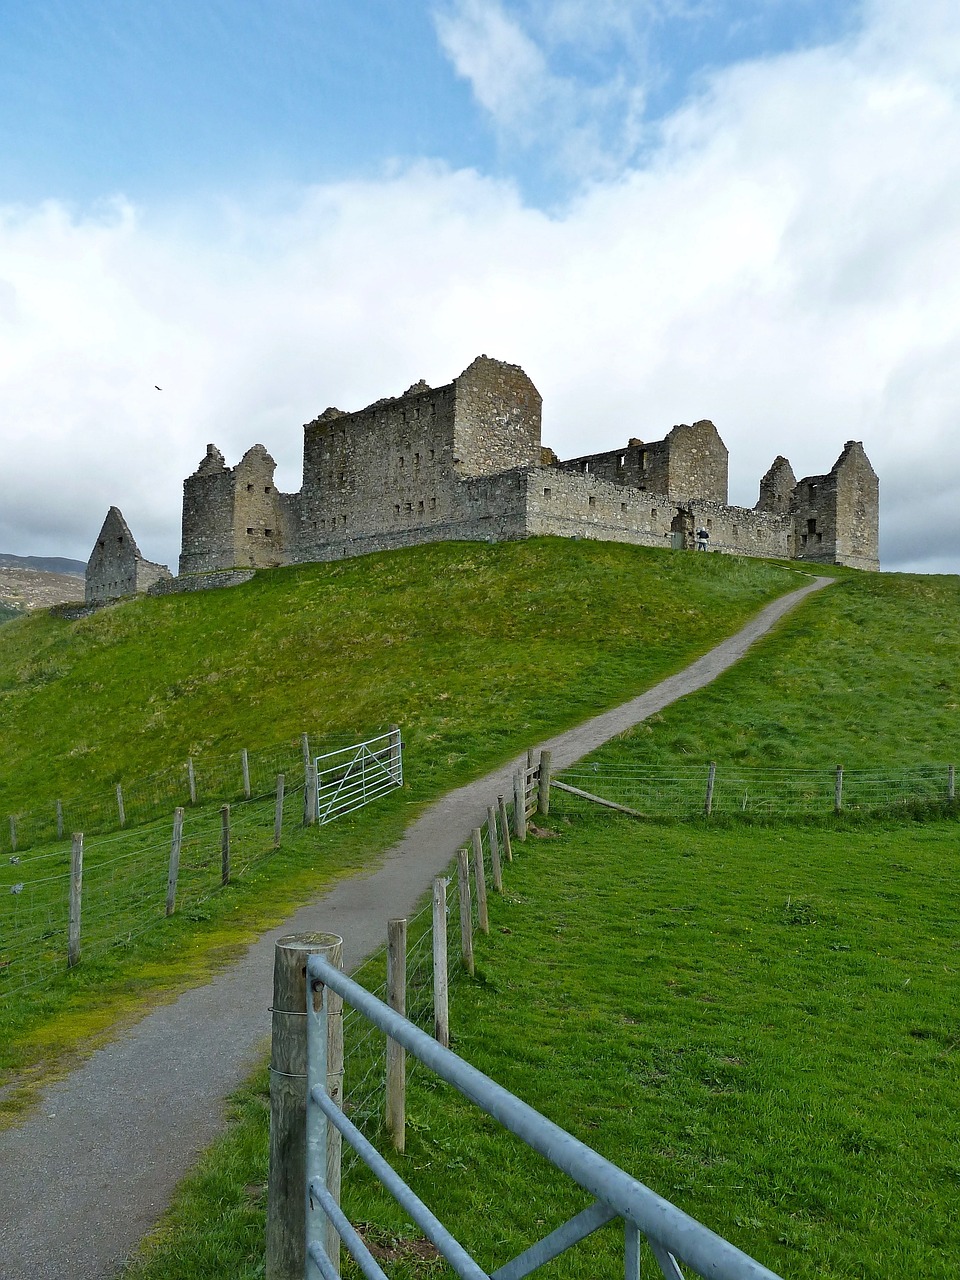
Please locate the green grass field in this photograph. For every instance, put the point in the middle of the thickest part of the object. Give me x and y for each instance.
(759, 1022)
(475, 650)
(762, 1026)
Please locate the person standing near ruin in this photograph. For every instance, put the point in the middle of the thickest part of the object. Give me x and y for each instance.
(703, 537)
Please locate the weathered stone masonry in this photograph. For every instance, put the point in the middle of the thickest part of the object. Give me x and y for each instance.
(465, 461)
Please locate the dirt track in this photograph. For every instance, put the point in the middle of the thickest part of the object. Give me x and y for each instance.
(89, 1172)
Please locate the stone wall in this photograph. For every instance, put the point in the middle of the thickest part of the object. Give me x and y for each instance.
(116, 568)
(496, 419)
(465, 461)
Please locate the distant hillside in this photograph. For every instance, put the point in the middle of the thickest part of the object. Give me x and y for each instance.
(24, 589)
(43, 564)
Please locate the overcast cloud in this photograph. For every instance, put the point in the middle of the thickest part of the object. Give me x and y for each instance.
(780, 255)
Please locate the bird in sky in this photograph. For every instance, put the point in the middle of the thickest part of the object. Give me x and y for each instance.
(156, 388)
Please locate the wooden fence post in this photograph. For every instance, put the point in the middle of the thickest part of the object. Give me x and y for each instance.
(174, 861)
(951, 781)
(245, 769)
(278, 815)
(13, 832)
(225, 844)
(543, 783)
(286, 1202)
(305, 748)
(505, 828)
(480, 875)
(59, 820)
(121, 812)
(76, 893)
(192, 781)
(494, 849)
(466, 911)
(395, 1113)
(711, 778)
(838, 790)
(441, 993)
(519, 806)
(310, 798)
(396, 754)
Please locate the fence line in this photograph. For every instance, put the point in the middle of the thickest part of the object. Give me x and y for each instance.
(240, 775)
(688, 791)
(131, 881)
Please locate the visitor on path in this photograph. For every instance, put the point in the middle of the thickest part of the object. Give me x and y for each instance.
(703, 537)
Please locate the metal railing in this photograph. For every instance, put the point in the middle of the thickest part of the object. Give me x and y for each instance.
(672, 1235)
(351, 777)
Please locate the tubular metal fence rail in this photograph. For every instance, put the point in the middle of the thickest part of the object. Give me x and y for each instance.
(672, 1236)
(686, 791)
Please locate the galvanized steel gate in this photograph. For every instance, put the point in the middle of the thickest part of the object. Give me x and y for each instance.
(351, 777)
(670, 1233)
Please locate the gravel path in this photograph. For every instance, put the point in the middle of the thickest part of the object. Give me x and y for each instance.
(90, 1171)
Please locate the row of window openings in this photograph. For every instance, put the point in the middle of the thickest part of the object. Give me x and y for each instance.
(408, 507)
(266, 488)
(592, 502)
(586, 467)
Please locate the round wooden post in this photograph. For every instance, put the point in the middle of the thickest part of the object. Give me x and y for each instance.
(225, 844)
(245, 770)
(466, 911)
(838, 790)
(286, 1201)
(495, 867)
(278, 814)
(76, 890)
(480, 876)
(505, 828)
(396, 1084)
(711, 779)
(441, 997)
(543, 783)
(121, 812)
(174, 871)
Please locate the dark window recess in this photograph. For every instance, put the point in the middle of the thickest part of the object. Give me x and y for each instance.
(396, 508)
(623, 506)
(432, 455)
(249, 488)
(249, 531)
(653, 513)
(416, 459)
(266, 488)
(420, 506)
(811, 526)
(268, 533)
(401, 459)
(591, 501)
(433, 504)
(546, 493)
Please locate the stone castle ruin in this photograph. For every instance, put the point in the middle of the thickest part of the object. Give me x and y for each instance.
(465, 461)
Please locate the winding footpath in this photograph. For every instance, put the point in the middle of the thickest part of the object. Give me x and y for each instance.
(87, 1174)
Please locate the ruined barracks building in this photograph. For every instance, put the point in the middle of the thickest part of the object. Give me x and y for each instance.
(464, 461)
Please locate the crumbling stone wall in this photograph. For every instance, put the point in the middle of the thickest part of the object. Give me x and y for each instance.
(776, 487)
(691, 461)
(235, 517)
(116, 568)
(465, 461)
(836, 516)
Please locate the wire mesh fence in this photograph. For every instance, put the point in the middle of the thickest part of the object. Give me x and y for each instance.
(224, 778)
(126, 884)
(686, 791)
(167, 858)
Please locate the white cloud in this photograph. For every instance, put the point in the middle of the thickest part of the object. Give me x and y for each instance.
(784, 264)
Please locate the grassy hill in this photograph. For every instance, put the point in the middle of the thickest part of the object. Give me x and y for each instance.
(759, 1025)
(475, 650)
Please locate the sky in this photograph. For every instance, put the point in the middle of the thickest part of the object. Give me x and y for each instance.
(663, 210)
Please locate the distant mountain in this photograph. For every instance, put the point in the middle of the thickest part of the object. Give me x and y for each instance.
(43, 564)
